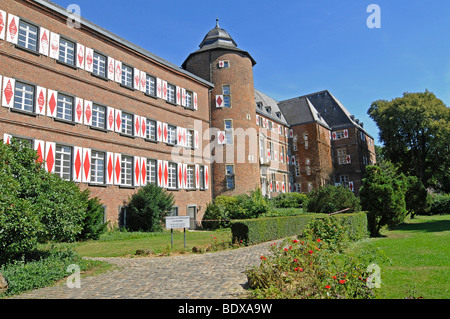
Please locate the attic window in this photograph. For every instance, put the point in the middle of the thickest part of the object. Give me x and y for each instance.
(259, 105)
(268, 109)
(278, 114)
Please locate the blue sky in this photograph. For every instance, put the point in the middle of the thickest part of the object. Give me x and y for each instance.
(302, 47)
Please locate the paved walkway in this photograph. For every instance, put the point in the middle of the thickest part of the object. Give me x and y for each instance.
(216, 275)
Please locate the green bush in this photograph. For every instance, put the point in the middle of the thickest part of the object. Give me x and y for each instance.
(148, 207)
(215, 212)
(440, 204)
(93, 224)
(289, 200)
(329, 230)
(329, 199)
(280, 212)
(415, 196)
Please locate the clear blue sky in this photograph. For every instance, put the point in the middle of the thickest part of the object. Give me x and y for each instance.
(303, 46)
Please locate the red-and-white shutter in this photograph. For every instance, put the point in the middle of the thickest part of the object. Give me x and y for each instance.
(271, 186)
(179, 136)
(330, 134)
(166, 174)
(118, 121)
(183, 97)
(158, 88)
(136, 79)
(351, 186)
(345, 133)
(50, 157)
(196, 140)
(12, 31)
(257, 119)
(117, 168)
(178, 99)
(197, 176)
(80, 56)
(89, 60)
(283, 187)
(2, 24)
(54, 45)
(277, 187)
(9, 85)
(79, 110)
(111, 68)
(160, 173)
(52, 99)
(221, 137)
(118, 71)
(164, 90)
(180, 175)
(291, 133)
(333, 135)
(184, 137)
(137, 126)
(185, 176)
(292, 160)
(206, 177)
(275, 156)
(86, 178)
(109, 168)
(110, 118)
(143, 126)
(159, 131)
(165, 132)
(219, 100)
(144, 172)
(279, 129)
(137, 171)
(349, 159)
(39, 147)
(195, 101)
(41, 100)
(44, 41)
(77, 163)
(7, 138)
(143, 81)
(87, 118)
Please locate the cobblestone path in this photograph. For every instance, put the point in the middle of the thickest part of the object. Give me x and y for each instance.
(216, 275)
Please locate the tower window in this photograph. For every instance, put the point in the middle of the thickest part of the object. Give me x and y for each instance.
(226, 92)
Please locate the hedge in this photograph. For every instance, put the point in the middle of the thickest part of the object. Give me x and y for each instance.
(253, 231)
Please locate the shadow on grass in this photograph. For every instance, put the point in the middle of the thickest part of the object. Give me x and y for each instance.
(425, 226)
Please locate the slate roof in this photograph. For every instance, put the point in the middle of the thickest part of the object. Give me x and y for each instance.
(267, 101)
(301, 111)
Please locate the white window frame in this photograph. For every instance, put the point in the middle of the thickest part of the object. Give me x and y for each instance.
(229, 176)
(171, 134)
(64, 107)
(67, 51)
(152, 173)
(98, 167)
(172, 176)
(99, 65)
(228, 127)
(171, 93)
(127, 76)
(226, 92)
(150, 130)
(127, 123)
(150, 85)
(27, 36)
(99, 116)
(126, 171)
(189, 100)
(24, 97)
(63, 161)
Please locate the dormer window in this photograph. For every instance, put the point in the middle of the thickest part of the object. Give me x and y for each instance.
(259, 105)
(268, 109)
(278, 114)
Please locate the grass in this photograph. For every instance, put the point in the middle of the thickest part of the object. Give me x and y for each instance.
(419, 256)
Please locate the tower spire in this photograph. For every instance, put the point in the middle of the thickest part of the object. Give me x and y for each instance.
(217, 23)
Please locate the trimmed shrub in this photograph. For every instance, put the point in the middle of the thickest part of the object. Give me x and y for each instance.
(440, 204)
(215, 212)
(289, 200)
(329, 199)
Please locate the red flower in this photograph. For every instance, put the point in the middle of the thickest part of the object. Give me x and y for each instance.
(295, 241)
(327, 286)
(334, 277)
(263, 258)
(342, 281)
(318, 240)
(310, 251)
(295, 260)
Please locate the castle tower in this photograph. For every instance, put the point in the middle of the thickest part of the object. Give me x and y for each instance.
(233, 114)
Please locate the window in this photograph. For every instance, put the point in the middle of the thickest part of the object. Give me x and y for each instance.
(66, 51)
(172, 178)
(229, 176)
(97, 167)
(190, 177)
(171, 134)
(127, 123)
(272, 156)
(127, 76)
(127, 171)
(150, 85)
(297, 170)
(262, 151)
(226, 96)
(189, 100)
(98, 116)
(202, 177)
(342, 155)
(343, 180)
(99, 64)
(189, 138)
(151, 171)
(63, 159)
(170, 93)
(64, 107)
(340, 135)
(28, 35)
(173, 211)
(228, 131)
(24, 97)
(150, 132)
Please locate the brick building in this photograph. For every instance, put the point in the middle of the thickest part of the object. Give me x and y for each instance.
(112, 116)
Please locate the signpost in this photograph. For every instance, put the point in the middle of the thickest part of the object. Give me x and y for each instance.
(173, 222)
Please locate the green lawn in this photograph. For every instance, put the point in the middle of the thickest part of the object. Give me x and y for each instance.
(419, 254)
(118, 244)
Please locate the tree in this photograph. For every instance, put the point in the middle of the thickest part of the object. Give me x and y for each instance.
(148, 207)
(329, 199)
(382, 195)
(415, 130)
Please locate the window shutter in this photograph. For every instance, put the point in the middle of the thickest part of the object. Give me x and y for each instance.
(143, 81)
(80, 56)
(158, 88)
(86, 165)
(257, 119)
(79, 111)
(221, 138)
(44, 40)
(136, 79)
(195, 101)
(206, 177)
(330, 134)
(179, 136)
(180, 175)
(183, 97)
(219, 100)
(143, 126)
(118, 71)
(109, 168)
(41, 100)
(279, 129)
(345, 133)
(39, 147)
(164, 90)
(54, 45)
(111, 68)
(12, 32)
(136, 171)
(333, 135)
(291, 133)
(87, 119)
(292, 160)
(110, 118)
(143, 178)
(283, 187)
(77, 163)
(349, 160)
(7, 138)
(221, 64)
(196, 140)
(50, 157)
(197, 176)
(117, 168)
(350, 185)
(271, 186)
(89, 60)
(160, 173)
(9, 85)
(159, 131)
(276, 156)
(165, 132)
(178, 99)
(118, 121)
(185, 177)
(137, 126)
(51, 103)
(278, 187)
(2, 24)
(166, 173)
